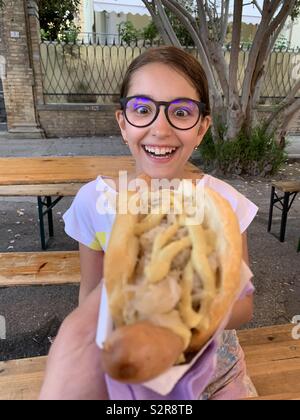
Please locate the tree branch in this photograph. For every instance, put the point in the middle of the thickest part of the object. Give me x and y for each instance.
(203, 22)
(281, 16)
(224, 24)
(259, 43)
(166, 24)
(257, 6)
(235, 45)
(287, 105)
(173, 7)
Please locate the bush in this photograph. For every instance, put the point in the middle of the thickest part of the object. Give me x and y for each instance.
(257, 155)
(128, 33)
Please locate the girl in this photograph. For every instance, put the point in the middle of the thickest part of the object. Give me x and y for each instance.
(164, 115)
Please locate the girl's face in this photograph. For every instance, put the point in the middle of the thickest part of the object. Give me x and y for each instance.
(161, 83)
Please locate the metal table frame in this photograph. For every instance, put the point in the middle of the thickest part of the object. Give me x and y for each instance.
(286, 201)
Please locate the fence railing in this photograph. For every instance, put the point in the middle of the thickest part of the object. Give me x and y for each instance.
(88, 72)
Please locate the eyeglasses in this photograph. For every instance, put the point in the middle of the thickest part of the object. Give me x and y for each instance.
(182, 113)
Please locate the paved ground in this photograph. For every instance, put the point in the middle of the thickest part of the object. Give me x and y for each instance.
(34, 314)
(85, 146)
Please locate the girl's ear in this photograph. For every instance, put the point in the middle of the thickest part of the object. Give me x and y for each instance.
(205, 124)
(121, 121)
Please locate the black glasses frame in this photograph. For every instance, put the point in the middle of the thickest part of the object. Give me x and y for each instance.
(158, 104)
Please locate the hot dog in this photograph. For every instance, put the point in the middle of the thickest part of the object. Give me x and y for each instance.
(169, 284)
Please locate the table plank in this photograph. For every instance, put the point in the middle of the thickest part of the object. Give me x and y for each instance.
(41, 190)
(287, 186)
(21, 379)
(39, 268)
(61, 170)
(60, 176)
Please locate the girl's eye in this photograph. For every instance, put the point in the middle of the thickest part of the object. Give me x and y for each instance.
(142, 110)
(181, 112)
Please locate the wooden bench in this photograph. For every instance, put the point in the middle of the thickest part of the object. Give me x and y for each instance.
(39, 268)
(290, 189)
(273, 360)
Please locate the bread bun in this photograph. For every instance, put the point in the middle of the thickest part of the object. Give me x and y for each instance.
(176, 272)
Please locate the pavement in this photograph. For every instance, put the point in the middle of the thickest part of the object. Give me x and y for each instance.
(86, 146)
(70, 146)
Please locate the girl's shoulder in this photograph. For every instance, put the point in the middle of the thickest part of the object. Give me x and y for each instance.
(223, 188)
(245, 209)
(91, 190)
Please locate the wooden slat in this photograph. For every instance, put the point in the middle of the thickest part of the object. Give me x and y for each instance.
(61, 170)
(39, 268)
(21, 379)
(278, 397)
(59, 175)
(65, 190)
(273, 359)
(265, 335)
(287, 186)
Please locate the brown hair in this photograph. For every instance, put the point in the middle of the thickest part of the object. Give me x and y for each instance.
(177, 58)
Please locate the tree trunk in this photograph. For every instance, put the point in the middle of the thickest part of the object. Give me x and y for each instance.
(235, 117)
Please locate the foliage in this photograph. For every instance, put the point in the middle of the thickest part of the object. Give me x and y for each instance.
(296, 12)
(257, 155)
(2, 4)
(181, 32)
(128, 33)
(282, 43)
(57, 17)
(70, 35)
(150, 32)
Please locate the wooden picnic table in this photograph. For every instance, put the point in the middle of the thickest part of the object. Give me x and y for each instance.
(47, 177)
(56, 175)
(50, 176)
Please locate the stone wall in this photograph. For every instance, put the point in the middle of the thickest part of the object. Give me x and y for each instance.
(78, 120)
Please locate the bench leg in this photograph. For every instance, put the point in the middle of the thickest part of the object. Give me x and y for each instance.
(271, 209)
(284, 215)
(49, 205)
(50, 216)
(42, 226)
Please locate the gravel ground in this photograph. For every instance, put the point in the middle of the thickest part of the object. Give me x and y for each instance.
(33, 314)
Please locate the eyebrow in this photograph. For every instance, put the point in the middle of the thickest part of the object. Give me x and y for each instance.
(142, 95)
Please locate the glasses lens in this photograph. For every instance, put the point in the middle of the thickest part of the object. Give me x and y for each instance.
(140, 111)
(184, 113)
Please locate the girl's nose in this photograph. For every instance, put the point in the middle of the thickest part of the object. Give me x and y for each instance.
(161, 127)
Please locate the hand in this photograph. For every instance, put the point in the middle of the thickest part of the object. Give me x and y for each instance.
(74, 370)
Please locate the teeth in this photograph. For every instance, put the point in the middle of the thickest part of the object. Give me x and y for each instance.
(160, 150)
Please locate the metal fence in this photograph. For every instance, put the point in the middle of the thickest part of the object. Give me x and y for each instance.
(89, 72)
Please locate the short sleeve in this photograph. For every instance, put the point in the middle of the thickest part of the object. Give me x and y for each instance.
(244, 208)
(246, 211)
(79, 219)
